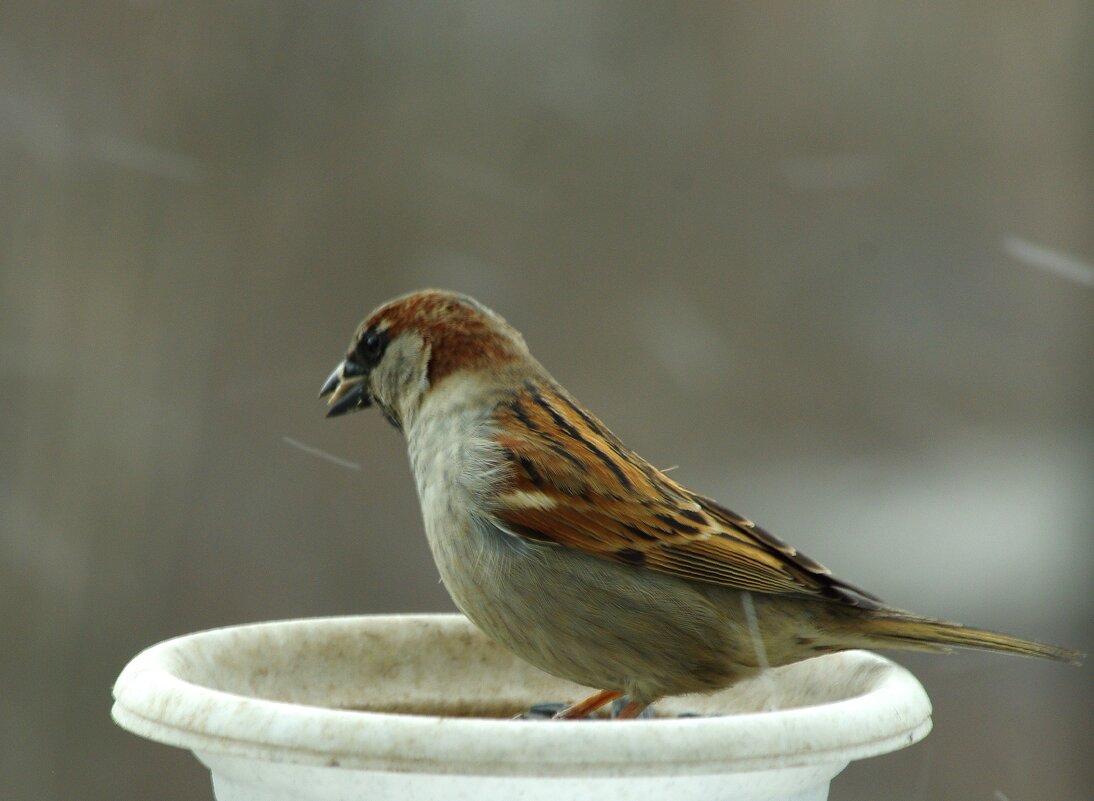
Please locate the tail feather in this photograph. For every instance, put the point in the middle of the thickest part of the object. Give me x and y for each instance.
(897, 630)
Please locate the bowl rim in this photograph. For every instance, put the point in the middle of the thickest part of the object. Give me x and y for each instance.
(892, 712)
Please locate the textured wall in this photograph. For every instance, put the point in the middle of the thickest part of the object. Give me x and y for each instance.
(833, 259)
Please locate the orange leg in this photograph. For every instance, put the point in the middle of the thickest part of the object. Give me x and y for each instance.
(589, 705)
(632, 710)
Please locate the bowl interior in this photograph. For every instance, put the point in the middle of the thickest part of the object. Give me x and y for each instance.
(442, 665)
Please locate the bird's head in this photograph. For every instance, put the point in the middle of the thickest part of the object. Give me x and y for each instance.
(411, 344)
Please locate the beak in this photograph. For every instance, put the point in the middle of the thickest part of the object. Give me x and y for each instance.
(347, 389)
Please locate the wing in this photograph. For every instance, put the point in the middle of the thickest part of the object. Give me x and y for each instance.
(574, 484)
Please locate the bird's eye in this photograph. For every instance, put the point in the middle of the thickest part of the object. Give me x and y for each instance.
(371, 347)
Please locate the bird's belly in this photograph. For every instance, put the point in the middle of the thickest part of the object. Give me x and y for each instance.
(589, 620)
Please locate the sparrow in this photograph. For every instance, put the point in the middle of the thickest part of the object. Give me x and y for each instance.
(567, 547)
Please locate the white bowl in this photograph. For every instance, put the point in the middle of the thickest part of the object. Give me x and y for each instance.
(420, 706)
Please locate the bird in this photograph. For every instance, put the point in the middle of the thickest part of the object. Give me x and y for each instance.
(571, 550)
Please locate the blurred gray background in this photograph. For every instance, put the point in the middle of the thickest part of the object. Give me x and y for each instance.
(834, 259)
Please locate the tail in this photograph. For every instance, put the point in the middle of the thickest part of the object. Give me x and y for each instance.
(902, 630)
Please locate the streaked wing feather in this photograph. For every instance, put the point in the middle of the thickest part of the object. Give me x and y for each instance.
(574, 484)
